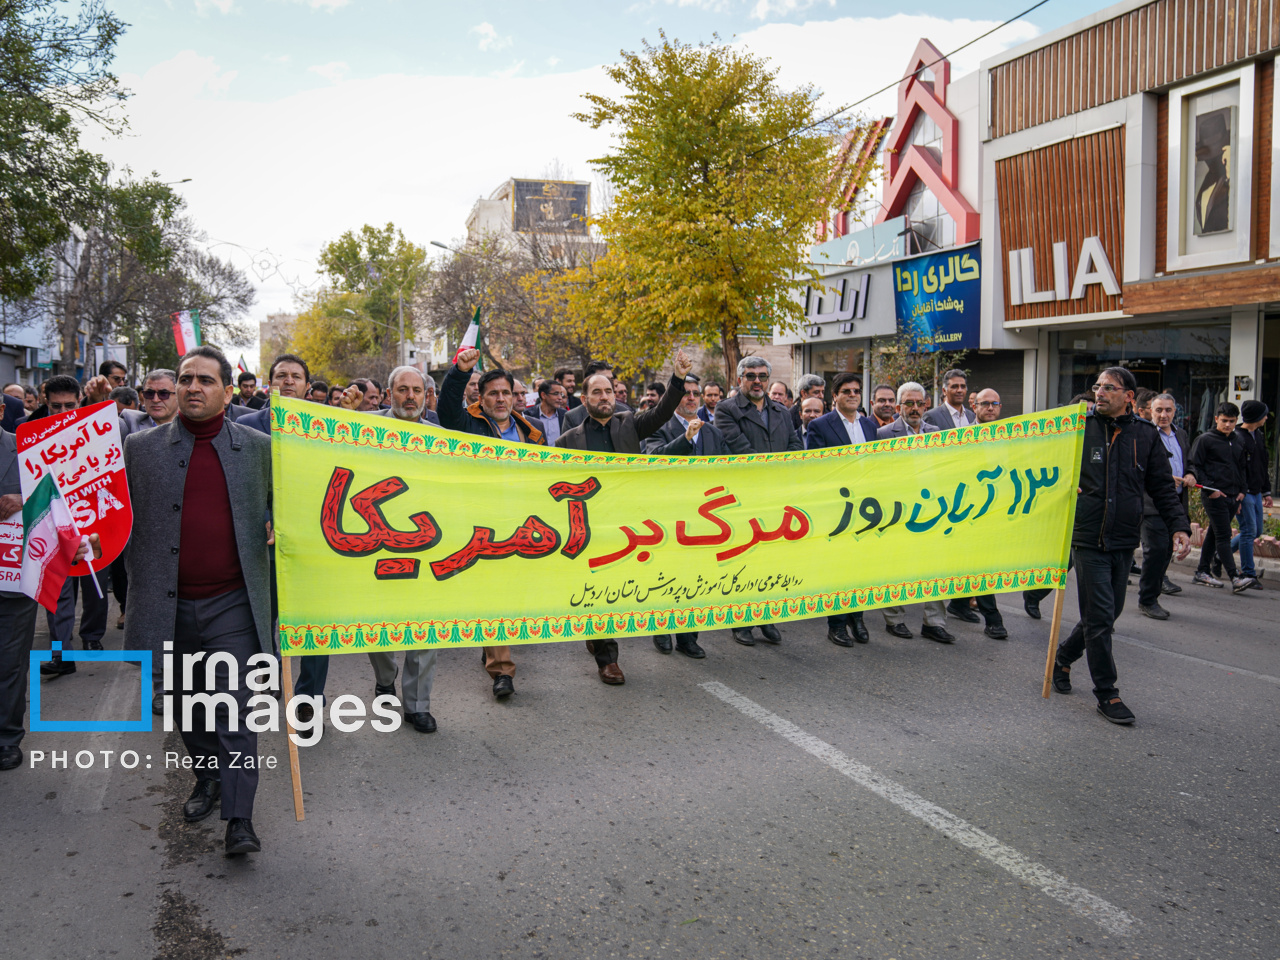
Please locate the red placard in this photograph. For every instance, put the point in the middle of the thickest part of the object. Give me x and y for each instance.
(83, 451)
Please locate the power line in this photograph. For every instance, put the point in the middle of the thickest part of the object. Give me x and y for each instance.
(916, 72)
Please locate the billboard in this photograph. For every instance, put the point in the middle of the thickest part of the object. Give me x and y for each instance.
(550, 206)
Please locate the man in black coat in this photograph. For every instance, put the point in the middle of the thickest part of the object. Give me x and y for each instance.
(608, 431)
(752, 423)
(493, 415)
(1123, 458)
(1218, 460)
(686, 435)
(1157, 540)
(843, 427)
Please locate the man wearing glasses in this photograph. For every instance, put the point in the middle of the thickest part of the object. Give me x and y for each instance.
(911, 408)
(1123, 456)
(752, 423)
(159, 404)
(986, 405)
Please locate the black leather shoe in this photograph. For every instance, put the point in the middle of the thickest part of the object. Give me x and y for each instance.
(1032, 607)
(744, 637)
(1154, 611)
(57, 667)
(996, 631)
(769, 633)
(960, 608)
(93, 644)
(202, 800)
(839, 636)
(422, 722)
(503, 687)
(663, 642)
(10, 757)
(381, 690)
(1168, 587)
(899, 630)
(1061, 678)
(157, 704)
(305, 712)
(689, 647)
(858, 628)
(240, 837)
(936, 633)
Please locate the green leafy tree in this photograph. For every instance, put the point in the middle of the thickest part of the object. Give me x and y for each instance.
(720, 178)
(53, 78)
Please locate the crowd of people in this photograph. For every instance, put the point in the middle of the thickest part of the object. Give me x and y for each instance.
(198, 574)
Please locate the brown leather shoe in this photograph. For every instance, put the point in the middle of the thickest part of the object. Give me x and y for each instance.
(591, 648)
(612, 673)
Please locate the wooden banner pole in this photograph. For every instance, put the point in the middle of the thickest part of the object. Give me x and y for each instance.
(1053, 641)
(286, 676)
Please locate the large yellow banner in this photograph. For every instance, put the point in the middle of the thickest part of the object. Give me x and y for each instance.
(393, 535)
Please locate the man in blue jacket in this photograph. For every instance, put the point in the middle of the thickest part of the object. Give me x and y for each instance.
(843, 426)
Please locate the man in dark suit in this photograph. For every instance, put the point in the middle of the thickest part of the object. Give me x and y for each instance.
(952, 413)
(910, 420)
(1157, 538)
(569, 380)
(810, 385)
(752, 423)
(200, 576)
(711, 394)
(288, 377)
(577, 415)
(686, 435)
(550, 409)
(843, 426)
(607, 430)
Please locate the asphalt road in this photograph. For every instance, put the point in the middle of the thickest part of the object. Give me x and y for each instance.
(901, 799)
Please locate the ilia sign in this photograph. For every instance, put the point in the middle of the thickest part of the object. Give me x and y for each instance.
(1092, 266)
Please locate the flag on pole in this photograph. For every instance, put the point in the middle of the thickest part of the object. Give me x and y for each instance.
(471, 339)
(186, 330)
(242, 366)
(49, 543)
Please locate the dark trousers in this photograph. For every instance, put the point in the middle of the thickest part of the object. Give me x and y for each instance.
(93, 618)
(605, 651)
(311, 677)
(1157, 551)
(17, 630)
(1101, 577)
(1217, 540)
(119, 580)
(990, 612)
(220, 624)
(837, 620)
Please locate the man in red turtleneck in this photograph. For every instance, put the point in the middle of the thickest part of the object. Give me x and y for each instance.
(207, 578)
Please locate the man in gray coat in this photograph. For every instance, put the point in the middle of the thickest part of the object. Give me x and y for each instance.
(910, 420)
(952, 414)
(201, 490)
(752, 423)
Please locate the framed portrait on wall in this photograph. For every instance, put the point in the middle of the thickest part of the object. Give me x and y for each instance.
(1210, 185)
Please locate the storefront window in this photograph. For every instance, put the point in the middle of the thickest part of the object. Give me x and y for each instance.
(827, 361)
(1189, 361)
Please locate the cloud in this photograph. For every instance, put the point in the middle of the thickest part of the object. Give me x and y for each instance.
(205, 7)
(329, 5)
(279, 175)
(552, 61)
(489, 39)
(510, 71)
(335, 71)
(764, 8)
(281, 58)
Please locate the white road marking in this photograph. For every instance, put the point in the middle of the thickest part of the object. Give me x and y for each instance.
(1088, 905)
(1204, 663)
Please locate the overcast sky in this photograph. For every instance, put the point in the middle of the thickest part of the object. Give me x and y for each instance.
(299, 119)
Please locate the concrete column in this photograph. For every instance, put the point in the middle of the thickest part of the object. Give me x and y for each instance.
(1246, 352)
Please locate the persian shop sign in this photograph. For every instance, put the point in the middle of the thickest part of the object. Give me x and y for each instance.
(938, 300)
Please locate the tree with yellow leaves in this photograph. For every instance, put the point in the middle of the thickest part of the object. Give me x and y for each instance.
(720, 178)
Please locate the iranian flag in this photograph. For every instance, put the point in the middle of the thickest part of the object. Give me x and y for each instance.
(471, 339)
(186, 330)
(49, 543)
(242, 366)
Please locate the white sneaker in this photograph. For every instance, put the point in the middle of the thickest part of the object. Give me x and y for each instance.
(1205, 580)
(1241, 584)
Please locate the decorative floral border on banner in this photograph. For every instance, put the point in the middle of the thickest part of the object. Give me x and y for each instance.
(336, 429)
(355, 637)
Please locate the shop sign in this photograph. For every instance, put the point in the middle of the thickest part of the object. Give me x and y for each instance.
(938, 300)
(1092, 267)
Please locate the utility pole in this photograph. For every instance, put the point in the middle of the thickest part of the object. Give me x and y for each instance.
(400, 352)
